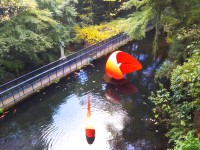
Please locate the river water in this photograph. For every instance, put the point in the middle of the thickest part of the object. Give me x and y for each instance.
(54, 118)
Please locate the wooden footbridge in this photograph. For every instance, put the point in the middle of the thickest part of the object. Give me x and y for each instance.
(19, 88)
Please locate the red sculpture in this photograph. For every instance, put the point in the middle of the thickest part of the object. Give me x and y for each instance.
(120, 63)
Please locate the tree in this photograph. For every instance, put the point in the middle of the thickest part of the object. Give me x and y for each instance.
(63, 11)
(85, 10)
(179, 20)
(27, 37)
(96, 11)
(10, 8)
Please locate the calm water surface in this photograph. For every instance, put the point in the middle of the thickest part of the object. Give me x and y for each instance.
(55, 117)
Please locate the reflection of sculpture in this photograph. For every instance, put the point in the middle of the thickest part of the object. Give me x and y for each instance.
(113, 91)
(120, 63)
(127, 89)
(112, 95)
(89, 129)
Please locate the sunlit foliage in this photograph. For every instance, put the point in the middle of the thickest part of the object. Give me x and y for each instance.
(97, 33)
(189, 142)
(10, 8)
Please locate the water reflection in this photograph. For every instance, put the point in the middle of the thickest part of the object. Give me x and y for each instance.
(67, 127)
(113, 92)
(89, 127)
(82, 76)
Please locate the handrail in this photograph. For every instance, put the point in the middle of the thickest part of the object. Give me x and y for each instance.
(28, 73)
(25, 75)
(57, 66)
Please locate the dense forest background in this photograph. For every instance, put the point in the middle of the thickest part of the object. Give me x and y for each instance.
(31, 31)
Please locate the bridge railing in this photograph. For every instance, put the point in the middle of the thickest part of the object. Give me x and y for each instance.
(55, 63)
(28, 83)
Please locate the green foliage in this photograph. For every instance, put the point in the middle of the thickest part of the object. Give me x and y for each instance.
(94, 12)
(165, 70)
(1, 110)
(27, 37)
(138, 20)
(182, 68)
(189, 142)
(63, 11)
(183, 33)
(86, 14)
(137, 23)
(134, 3)
(29, 32)
(187, 77)
(177, 109)
(179, 13)
(161, 100)
(171, 15)
(10, 8)
(15, 65)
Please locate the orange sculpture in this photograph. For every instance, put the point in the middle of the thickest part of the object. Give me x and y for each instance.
(120, 63)
(89, 129)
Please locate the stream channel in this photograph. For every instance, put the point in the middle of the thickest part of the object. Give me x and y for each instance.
(54, 118)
